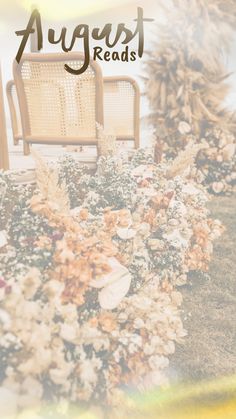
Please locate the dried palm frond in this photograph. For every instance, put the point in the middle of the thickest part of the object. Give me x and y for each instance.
(204, 26)
(50, 188)
(186, 80)
(184, 160)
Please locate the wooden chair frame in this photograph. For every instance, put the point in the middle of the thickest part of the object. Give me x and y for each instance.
(16, 129)
(4, 157)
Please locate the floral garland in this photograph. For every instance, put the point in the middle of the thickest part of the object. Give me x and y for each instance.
(94, 308)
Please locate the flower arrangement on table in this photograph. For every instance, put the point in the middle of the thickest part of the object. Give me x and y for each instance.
(89, 265)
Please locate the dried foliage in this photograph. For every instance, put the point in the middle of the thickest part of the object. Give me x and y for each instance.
(50, 188)
(186, 76)
(186, 81)
(184, 160)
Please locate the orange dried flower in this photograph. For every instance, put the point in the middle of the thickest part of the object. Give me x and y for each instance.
(115, 374)
(107, 322)
(137, 365)
(161, 201)
(44, 242)
(201, 234)
(144, 183)
(150, 217)
(124, 218)
(73, 293)
(93, 322)
(84, 214)
(110, 219)
(99, 263)
(166, 286)
(197, 259)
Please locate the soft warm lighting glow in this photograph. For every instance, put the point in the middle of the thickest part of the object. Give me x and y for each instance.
(69, 9)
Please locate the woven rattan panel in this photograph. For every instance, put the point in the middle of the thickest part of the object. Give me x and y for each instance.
(60, 104)
(119, 108)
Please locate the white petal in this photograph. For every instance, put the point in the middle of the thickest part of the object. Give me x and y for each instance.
(68, 332)
(3, 239)
(176, 239)
(118, 271)
(126, 233)
(111, 296)
(143, 171)
(184, 128)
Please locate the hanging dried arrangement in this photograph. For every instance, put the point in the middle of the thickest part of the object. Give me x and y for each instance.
(186, 82)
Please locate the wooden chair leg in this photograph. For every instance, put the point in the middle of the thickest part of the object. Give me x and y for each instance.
(4, 156)
(26, 148)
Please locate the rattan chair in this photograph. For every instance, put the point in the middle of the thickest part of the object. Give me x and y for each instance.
(56, 107)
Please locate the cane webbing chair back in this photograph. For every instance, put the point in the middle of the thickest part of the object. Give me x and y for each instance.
(56, 106)
(122, 108)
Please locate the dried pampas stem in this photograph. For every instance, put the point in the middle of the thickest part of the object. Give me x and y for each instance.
(184, 160)
(50, 188)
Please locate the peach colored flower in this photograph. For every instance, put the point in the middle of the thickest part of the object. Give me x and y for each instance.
(137, 365)
(115, 374)
(84, 214)
(44, 242)
(107, 321)
(201, 234)
(124, 218)
(197, 258)
(161, 201)
(150, 217)
(166, 286)
(144, 183)
(93, 322)
(99, 263)
(110, 219)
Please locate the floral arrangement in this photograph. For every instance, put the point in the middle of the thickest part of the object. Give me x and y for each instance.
(215, 163)
(186, 86)
(89, 266)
